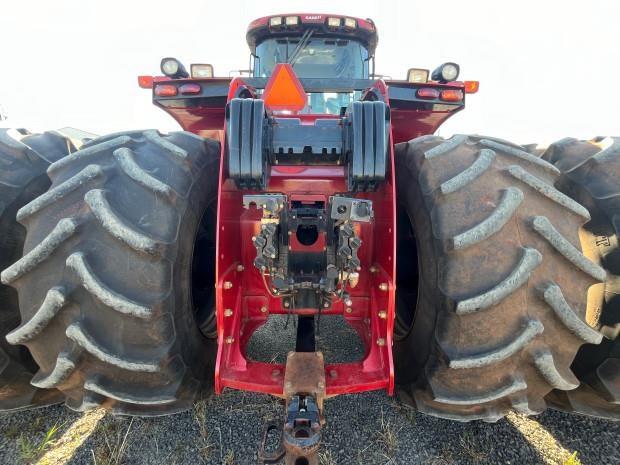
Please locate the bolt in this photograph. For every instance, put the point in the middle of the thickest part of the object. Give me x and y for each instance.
(383, 286)
(228, 312)
(286, 304)
(348, 310)
(380, 341)
(240, 268)
(373, 269)
(321, 385)
(263, 309)
(348, 302)
(288, 385)
(230, 340)
(325, 304)
(228, 285)
(382, 314)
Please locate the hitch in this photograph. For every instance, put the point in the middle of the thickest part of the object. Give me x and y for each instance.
(304, 391)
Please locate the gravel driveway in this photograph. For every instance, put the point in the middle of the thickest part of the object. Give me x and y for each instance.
(369, 428)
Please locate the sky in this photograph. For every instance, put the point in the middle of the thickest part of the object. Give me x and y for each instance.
(547, 68)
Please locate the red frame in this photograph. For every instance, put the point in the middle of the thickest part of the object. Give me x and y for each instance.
(240, 289)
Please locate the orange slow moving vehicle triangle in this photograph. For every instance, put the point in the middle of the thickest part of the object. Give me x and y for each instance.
(284, 91)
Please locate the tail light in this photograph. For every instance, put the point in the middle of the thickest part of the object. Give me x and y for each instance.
(427, 93)
(165, 90)
(451, 95)
(190, 89)
(145, 82)
(471, 87)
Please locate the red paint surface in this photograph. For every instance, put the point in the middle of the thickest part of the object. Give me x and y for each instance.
(240, 288)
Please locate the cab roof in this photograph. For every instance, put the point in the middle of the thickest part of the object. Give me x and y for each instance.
(262, 28)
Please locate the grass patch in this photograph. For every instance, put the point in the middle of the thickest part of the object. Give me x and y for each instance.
(572, 459)
(116, 442)
(387, 436)
(30, 450)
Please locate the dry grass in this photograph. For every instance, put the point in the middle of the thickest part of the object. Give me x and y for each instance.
(116, 442)
(387, 437)
(326, 458)
(199, 415)
(445, 457)
(472, 449)
(229, 458)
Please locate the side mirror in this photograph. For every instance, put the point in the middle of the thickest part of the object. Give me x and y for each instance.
(417, 75)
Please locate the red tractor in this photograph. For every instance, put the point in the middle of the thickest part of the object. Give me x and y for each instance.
(312, 188)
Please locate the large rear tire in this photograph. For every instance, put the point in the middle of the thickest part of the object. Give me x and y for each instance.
(591, 175)
(503, 283)
(110, 305)
(24, 157)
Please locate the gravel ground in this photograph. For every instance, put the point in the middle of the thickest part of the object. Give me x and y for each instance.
(369, 428)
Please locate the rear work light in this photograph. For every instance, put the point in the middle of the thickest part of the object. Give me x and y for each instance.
(417, 75)
(275, 21)
(173, 68)
(292, 21)
(350, 23)
(201, 71)
(190, 89)
(451, 95)
(333, 22)
(165, 90)
(471, 87)
(427, 93)
(446, 72)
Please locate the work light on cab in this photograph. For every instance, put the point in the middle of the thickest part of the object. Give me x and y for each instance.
(173, 68)
(446, 73)
(417, 75)
(201, 71)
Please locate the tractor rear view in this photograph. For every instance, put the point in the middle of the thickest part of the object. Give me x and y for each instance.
(313, 189)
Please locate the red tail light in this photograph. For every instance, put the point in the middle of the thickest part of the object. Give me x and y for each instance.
(451, 95)
(471, 87)
(146, 82)
(165, 90)
(427, 93)
(190, 89)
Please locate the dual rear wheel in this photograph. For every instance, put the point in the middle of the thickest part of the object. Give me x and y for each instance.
(116, 282)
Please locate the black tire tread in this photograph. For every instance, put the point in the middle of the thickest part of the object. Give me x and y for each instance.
(591, 175)
(508, 323)
(24, 158)
(112, 328)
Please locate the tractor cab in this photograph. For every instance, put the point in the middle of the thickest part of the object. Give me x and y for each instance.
(317, 47)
